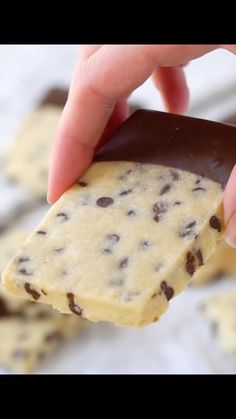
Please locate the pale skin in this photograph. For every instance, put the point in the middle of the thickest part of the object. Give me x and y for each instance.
(104, 78)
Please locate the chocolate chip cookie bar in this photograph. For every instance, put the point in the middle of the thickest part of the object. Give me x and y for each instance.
(136, 227)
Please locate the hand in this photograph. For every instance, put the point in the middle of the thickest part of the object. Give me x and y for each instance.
(97, 104)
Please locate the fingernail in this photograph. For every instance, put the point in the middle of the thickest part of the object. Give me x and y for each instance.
(230, 232)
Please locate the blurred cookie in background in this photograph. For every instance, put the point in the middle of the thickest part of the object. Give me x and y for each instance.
(27, 160)
(28, 330)
(220, 313)
(24, 343)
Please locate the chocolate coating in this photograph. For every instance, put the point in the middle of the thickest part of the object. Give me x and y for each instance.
(199, 146)
(56, 96)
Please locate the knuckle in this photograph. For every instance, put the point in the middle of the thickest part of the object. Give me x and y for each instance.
(86, 80)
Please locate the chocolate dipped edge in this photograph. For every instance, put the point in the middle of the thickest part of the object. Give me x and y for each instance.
(199, 146)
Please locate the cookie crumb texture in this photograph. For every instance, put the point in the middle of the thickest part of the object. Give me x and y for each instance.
(120, 245)
(28, 158)
(220, 313)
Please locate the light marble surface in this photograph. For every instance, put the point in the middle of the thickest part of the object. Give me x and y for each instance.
(180, 342)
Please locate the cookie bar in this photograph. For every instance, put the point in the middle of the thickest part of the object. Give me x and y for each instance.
(220, 313)
(121, 243)
(136, 227)
(221, 264)
(27, 162)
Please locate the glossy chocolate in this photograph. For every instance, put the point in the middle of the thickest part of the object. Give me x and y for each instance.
(196, 145)
(56, 96)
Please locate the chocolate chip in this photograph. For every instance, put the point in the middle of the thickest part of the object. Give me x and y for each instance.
(106, 251)
(54, 336)
(175, 175)
(187, 230)
(41, 232)
(82, 183)
(44, 292)
(158, 267)
(20, 353)
(23, 259)
(59, 250)
(24, 271)
(199, 188)
(104, 201)
(144, 244)
(124, 175)
(177, 203)
(3, 308)
(63, 216)
(119, 282)
(159, 208)
(131, 213)
(190, 263)
(215, 223)
(165, 189)
(123, 193)
(113, 238)
(200, 257)
(168, 291)
(123, 263)
(155, 319)
(198, 181)
(64, 273)
(35, 294)
(72, 306)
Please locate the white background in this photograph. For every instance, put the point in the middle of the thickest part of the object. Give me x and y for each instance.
(180, 342)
